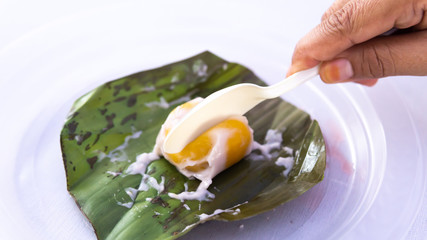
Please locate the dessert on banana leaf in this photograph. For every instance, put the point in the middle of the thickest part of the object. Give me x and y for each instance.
(129, 189)
(215, 150)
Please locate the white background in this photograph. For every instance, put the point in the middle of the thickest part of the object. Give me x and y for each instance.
(19, 19)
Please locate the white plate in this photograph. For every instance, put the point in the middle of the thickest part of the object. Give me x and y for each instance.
(375, 176)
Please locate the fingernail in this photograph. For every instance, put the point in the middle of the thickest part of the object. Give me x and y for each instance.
(336, 71)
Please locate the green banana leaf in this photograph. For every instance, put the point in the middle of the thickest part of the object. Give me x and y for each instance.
(109, 126)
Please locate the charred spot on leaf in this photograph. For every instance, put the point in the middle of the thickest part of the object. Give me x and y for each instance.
(175, 233)
(158, 200)
(107, 103)
(83, 138)
(103, 111)
(119, 99)
(175, 213)
(96, 139)
(126, 85)
(72, 126)
(74, 114)
(128, 118)
(165, 227)
(169, 184)
(71, 136)
(132, 100)
(74, 168)
(108, 84)
(110, 123)
(117, 89)
(87, 147)
(92, 161)
(105, 148)
(159, 94)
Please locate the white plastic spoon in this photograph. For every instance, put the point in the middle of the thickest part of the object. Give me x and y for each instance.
(221, 105)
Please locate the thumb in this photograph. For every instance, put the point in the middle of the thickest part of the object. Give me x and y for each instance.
(379, 57)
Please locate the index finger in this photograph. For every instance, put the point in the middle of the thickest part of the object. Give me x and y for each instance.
(357, 21)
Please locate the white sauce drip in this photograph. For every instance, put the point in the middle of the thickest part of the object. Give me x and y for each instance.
(287, 162)
(201, 194)
(273, 140)
(237, 211)
(203, 217)
(161, 104)
(147, 182)
(175, 78)
(288, 150)
(164, 104)
(141, 163)
(149, 88)
(114, 174)
(200, 68)
(131, 192)
(189, 226)
(118, 154)
(127, 205)
(180, 100)
(224, 66)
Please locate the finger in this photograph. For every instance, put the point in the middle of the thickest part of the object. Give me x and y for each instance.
(422, 25)
(341, 70)
(355, 22)
(337, 5)
(381, 57)
(410, 15)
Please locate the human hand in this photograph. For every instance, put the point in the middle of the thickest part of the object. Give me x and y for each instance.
(350, 45)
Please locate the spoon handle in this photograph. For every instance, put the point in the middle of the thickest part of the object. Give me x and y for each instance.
(290, 83)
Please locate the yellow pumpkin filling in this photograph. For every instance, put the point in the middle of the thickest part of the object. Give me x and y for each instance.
(213, 151)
